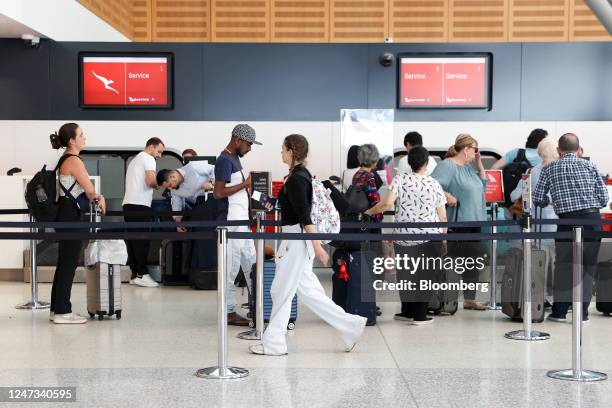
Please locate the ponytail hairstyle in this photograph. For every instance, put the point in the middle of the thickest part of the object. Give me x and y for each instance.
(461, 142)
(61, 139)
(299, 146)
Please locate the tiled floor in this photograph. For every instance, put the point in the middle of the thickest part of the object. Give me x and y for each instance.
(148, 358)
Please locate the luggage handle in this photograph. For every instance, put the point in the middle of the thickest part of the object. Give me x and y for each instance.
(93, 212)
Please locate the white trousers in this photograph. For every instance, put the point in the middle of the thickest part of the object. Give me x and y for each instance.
(240, 252)
(294, 274)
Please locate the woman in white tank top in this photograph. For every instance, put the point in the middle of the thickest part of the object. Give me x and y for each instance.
(73, 180)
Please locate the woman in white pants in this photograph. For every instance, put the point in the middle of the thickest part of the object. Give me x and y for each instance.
(295, 258)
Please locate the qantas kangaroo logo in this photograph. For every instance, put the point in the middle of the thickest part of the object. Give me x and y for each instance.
(107, 82)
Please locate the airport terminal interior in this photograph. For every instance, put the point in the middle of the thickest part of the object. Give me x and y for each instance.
(209, 121)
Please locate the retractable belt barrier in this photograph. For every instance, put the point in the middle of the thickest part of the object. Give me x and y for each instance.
(115, 230)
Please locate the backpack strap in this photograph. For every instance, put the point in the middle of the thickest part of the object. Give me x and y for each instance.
(521, 157)
(67, 191)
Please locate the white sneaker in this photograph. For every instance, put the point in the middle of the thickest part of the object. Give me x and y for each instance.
(146, 281)
(259, 350)
(351, 345)
(69, 318)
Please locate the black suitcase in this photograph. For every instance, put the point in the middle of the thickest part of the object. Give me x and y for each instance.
(512, 284)
(604, 287)
(351, 289)
(445, 301)
(173, 262)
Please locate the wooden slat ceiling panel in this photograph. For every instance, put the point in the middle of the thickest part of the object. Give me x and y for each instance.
(181, 20)
(359, 20)
(419, 20)
(141, 20)
(300, 21)
(539, 20)
(117, 13)
(478, 21)
(240, 20)
(584, 26)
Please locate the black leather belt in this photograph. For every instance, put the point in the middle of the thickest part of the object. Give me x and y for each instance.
(573, 214)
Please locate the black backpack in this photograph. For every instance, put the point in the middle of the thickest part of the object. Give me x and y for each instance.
(41, 193)
(512, 173)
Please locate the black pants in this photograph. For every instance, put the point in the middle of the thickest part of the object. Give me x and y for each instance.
(414, 302)
(563, 283)
(67, 260)
(138, 250)
(467, 249)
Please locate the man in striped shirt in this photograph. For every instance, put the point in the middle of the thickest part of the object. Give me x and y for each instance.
(577, 191)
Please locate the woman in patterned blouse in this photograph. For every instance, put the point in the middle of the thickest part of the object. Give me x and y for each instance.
(368, 158)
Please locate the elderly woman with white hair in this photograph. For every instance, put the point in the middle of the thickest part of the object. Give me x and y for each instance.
(365, 178)
(547, 150)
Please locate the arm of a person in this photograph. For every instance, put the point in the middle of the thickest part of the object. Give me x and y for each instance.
(442, 216)
(178, 203)
(498, 165)
(540, 193)
(600, 189)
(372, 191)
(150, 179)
(221, 191)
(383, 205)
(79, 172)
(518, 191)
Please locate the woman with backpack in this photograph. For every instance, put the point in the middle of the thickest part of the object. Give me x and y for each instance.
(76, 191)
(295, 258)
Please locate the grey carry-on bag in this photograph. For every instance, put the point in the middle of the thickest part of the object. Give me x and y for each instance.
(512, 284)
(103, 260)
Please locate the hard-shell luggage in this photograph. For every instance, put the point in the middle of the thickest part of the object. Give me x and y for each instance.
(174, 262)
(203, 257)
(103, 260)
(352, 287)
(512, 284)
(269, 271)
(603, 300)
(444, 301)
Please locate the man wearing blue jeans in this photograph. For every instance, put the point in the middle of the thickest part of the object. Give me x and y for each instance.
(577, 191)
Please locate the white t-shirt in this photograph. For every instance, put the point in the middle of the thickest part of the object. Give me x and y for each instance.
(404, 167)
(137, 191)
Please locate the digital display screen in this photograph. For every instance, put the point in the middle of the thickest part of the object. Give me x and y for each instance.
(125, 80)
(444, 81)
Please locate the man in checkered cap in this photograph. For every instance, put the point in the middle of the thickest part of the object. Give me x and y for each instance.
(232, 192)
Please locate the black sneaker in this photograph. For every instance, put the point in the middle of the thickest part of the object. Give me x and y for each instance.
(402, 317)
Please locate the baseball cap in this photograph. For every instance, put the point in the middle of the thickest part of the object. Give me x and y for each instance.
(245, 132)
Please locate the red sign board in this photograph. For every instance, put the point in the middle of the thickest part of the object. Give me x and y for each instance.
(495, 187)
(444, 82)
(276, 186)
(121, 81)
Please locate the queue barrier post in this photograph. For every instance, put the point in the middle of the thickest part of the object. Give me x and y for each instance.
(258, 322)
(576, 373)
(222, 371)
(33, 304)
(527, 334)
(493, 305)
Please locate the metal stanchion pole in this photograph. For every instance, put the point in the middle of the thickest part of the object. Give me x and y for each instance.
(255, 333)
(222, 371)
(527, 334)
(276, 229)
(576, 373)
(493, 302)
(33, 304)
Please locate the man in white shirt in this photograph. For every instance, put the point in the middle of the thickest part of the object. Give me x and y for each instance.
(139, 185)
(411, 140)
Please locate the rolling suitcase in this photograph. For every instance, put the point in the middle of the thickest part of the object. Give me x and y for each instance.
(512, 284)
(173, 261)
(103, 260)
(202, 258)
(445, 301)
(351, 289)
(269, 271)
(603, 300)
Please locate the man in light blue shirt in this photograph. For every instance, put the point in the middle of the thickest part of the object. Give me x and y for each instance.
(191, 181)
(531, 151)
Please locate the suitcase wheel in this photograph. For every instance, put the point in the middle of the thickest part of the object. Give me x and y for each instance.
(91, 314)
(291, 326)
(437, 312)
(251, 324)
(100, 317)
(118, 314)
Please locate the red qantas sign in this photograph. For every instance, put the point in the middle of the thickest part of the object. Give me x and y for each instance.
(130, 81)
(443, 82)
